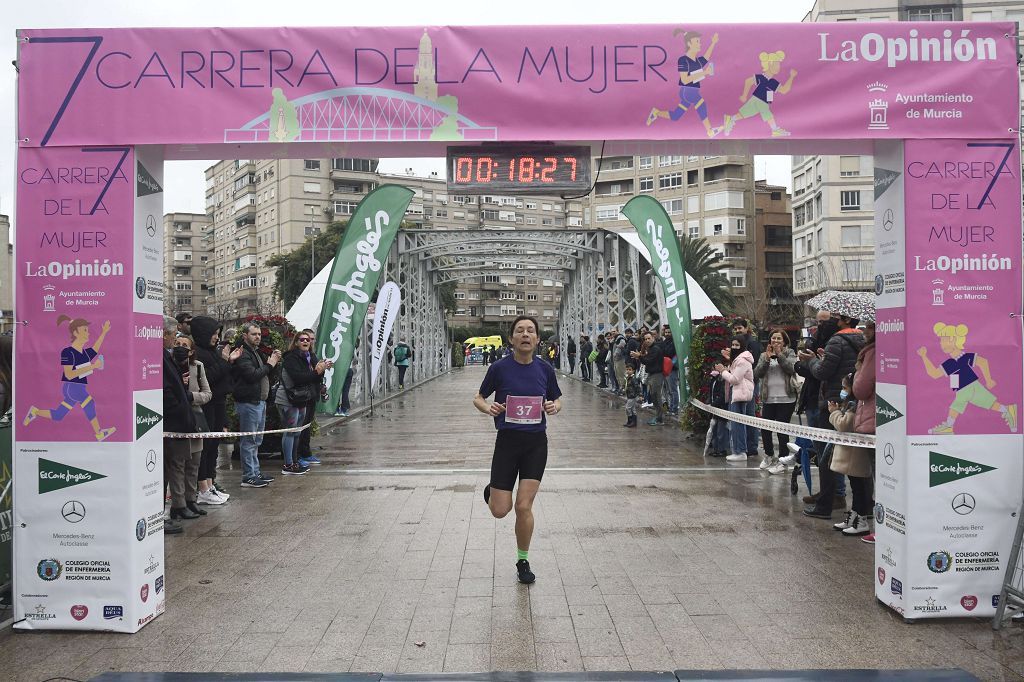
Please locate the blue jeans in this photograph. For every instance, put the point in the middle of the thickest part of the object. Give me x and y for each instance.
(291, 416)
(720, 435)
(672, 389)
(739, 431)
(814, 418)
(251, 417)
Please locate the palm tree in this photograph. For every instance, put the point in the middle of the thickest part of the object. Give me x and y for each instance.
(707, 268)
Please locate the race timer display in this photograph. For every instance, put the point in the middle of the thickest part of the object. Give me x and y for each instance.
(502, 169)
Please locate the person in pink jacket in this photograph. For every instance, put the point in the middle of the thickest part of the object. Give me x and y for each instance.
(864, 383)
(740, 376)
(864, 392)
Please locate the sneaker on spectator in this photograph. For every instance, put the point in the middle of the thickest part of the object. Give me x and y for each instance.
(858, 526)
(766, 462)
(263, 477)
(777, 468)
(869, 538)
(254, 482)
(736, 458)
(311, 460)
(209, 497)
(646, 405)
(294, 469)
(794, 452)
(220, 490)
(845, 523)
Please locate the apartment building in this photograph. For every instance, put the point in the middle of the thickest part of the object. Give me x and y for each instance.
(185, 262)
(772, 288)
(6, 266)
(833, 217)
(263, 208)
(706, 196)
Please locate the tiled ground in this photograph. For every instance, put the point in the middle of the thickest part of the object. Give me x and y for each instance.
(389, 545)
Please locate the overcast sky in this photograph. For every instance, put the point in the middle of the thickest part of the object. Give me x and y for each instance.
(184, 181)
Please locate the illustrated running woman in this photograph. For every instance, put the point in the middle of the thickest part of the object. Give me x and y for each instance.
(963, 379)
(764, 86)
(692, 70)
(78, 362)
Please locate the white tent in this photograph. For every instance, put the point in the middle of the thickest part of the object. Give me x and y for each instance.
(306, 310)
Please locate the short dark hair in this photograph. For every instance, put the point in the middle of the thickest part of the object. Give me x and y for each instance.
(182, 317)
(739, 322)
(742, 340)
(520, 318)
(853, 321)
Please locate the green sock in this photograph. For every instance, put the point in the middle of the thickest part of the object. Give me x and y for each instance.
(522, 554)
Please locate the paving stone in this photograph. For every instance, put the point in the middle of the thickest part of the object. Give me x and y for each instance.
(637, 568)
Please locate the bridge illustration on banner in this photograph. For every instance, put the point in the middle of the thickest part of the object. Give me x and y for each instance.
(357, 114)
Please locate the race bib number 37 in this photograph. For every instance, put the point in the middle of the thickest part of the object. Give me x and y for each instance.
(524, 409)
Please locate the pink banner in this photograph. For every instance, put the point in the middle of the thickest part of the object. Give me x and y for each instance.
(434, 85)
(74, 295)
(963, 284)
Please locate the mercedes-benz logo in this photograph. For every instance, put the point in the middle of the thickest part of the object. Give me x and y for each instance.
(888, 218)
(151, 460)
(73, 511)
(151, 225)
(963, 504)
(890, 453)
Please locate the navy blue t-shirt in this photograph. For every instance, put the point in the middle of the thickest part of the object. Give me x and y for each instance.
(507, 377)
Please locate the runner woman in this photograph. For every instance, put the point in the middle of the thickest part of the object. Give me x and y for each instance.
(78, 361)
(525, 390)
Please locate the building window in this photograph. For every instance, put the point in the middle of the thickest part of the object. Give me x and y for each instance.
(941, 13)
(606, 213)
(311, 164)
(460, 294)
(361, 165)
(492, 279)
(738, 278)
(778, 262)
(716, 228)
(849, 166)
(741, 226)
(673, 206)
(851, 235)
(693, 204)
(531, 220)
(717, 200)
(531, 297)
(646, 162)
(532, 205)
(489, 214)
(849, 200)
(669, 160)
(311, 187)
(693, 228)
(670, 181)
(647, 184)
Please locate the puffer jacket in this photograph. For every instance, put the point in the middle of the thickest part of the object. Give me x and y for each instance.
(218, 370)
(864, 390)
(840, 359)
(740, 376)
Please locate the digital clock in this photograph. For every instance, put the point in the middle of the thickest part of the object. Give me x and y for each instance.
(519, 169)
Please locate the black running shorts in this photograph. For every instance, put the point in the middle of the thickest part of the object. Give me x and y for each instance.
(522, 454)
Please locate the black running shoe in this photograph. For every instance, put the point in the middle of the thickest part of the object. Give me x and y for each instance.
(526, 576)
(487, 494)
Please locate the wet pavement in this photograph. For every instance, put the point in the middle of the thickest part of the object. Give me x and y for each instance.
(386, 559)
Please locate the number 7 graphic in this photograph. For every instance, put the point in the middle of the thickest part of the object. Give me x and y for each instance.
(95, 40)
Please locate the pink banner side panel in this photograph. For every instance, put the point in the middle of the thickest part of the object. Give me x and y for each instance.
(75, 295)
(434, 85)
(963, 284)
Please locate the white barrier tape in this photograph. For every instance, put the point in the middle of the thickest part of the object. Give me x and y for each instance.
(231, 434)
(861, 440)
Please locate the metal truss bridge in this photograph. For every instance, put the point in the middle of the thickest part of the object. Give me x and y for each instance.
(606, 283)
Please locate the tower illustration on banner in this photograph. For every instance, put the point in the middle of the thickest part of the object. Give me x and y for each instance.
(878, 108)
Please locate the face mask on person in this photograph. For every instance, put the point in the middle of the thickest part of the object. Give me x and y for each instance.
(844, 394)
(180, 354)
(827, 329)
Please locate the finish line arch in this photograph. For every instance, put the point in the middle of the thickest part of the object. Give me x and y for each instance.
(100, 110)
